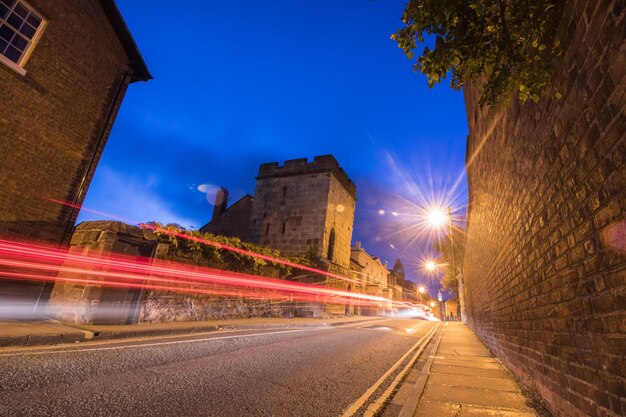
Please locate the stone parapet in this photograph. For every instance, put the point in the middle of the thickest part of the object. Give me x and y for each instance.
(301, 166)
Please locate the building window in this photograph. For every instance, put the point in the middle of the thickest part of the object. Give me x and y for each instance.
(20, 27)
(267, 229)
(331, 245)
(282, 231)
(284, 191)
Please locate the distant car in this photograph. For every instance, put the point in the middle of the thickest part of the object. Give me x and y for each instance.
(412, 313)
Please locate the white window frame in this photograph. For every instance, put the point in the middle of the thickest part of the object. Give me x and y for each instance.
(19, 66)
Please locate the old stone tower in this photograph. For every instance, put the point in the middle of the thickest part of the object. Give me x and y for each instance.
(305, 206)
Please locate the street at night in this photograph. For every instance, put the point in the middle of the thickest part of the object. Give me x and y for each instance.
(355, 208)
(316, 371)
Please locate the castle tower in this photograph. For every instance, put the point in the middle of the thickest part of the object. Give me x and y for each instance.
(303, 206)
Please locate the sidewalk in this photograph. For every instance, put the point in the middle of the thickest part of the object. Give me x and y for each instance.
(49, 332)
(466, 380)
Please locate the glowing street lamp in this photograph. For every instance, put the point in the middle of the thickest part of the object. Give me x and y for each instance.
(421, 290)
(430, 266)
(432, 304)
(437, 218)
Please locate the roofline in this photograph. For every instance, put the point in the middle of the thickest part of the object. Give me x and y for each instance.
(136, 63)
(229, 207)
(238, 201)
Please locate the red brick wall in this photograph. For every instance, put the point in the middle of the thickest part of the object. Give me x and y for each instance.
(545, 264)
(53, 120)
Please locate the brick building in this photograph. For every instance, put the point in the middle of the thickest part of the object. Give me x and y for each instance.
(64, 70)
(545, 266)
(305, 206)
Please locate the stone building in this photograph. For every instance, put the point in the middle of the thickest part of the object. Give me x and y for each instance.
(396, 274)
(410, 291)
(396, 280)
(305, 207)
(374, 278)
(64, 70)
(233, 220)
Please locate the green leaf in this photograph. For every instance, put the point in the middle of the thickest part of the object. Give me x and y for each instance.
(474, 43)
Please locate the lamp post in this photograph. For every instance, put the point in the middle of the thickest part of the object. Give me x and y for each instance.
(437, 218)
(431, 266)
(421, 290)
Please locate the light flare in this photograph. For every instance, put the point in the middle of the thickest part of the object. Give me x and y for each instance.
(39, 262)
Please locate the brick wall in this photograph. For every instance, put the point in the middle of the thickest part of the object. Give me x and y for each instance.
(545, 261)
(54, 120)
(54, 123)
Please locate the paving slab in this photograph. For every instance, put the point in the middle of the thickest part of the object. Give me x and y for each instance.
(474, 396)
(430, 408)
(495, 384)
(473, 411)
(464, 362)
(469, 371)
(466, 380)
(463, 351)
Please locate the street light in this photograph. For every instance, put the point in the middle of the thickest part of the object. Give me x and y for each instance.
(437, 218)
(421, 289)
(430, 266)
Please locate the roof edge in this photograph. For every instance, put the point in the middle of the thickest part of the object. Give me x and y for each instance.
(139, 68)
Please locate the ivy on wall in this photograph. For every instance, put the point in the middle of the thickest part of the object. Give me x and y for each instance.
(173, 234)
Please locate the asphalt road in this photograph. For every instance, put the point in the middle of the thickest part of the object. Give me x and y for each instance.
(285, 372)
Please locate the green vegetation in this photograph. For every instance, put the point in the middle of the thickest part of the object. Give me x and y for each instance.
(227, 259)
(509, 45)
(450, 279)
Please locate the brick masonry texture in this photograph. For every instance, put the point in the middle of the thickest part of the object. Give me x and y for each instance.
(54, 121)
(545, 261)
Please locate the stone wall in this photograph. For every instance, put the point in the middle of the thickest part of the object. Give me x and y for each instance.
(79, 303)
(298, 205)
(545, 261)
(100, 304)
(340, 220)
(233, 221)
(160, 306)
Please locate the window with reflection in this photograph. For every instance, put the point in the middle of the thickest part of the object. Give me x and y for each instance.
(19, 25)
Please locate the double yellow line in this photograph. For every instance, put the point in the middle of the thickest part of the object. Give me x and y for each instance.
(378, 404)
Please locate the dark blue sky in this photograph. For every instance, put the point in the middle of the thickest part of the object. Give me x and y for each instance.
(240, 83)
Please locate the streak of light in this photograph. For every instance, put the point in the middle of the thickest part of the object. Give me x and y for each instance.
(122, 271)
(250, 253)
(79, 207)
(212, 243)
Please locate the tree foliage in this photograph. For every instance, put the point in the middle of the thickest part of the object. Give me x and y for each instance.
(511, 43)
(451, 254)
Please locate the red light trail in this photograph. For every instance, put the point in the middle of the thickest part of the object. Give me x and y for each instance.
(214, 244)
(39, 262)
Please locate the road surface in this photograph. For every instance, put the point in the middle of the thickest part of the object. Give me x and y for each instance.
(271, 372)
